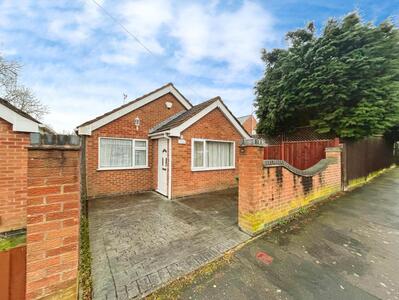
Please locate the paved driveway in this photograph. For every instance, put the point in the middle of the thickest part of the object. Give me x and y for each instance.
(140, 242)
(345, 249)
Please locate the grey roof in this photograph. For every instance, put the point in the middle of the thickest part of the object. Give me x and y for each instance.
(17, 110)
(181, 117)
(166, 121)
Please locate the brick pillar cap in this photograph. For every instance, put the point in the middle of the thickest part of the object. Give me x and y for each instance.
(334, 149)
(54, 147)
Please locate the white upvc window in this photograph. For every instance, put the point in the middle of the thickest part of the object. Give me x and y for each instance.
(122, 153)
(212, 155)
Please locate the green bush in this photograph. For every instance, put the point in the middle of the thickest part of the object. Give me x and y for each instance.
(11, 242)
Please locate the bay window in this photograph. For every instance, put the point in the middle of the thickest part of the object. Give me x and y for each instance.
(121, 153)
(212, 155)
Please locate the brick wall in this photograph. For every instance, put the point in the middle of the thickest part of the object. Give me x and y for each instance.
(186, 182)
(53, 205)
(13, 172)
(268, 193)
(250, 124)
(107, 182)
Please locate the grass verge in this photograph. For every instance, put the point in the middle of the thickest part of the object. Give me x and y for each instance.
(85, 282)
(12, 241)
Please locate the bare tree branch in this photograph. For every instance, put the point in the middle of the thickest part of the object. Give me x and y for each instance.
(24, 99)
(18, 95)
(8, 74)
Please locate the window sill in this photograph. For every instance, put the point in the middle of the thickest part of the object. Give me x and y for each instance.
(211, 169)
(121, 169)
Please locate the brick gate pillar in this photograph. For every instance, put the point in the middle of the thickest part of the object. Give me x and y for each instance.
(250, 187)
(53, 207)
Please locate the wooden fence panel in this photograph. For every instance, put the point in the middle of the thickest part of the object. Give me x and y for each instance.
(4, 275)
(273, 152)
(13, 273)
(300, 154)
(366, 156)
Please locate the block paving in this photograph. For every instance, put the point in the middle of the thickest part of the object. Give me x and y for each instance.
(140, 242)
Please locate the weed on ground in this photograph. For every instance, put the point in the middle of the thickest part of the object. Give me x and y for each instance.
(85, 281)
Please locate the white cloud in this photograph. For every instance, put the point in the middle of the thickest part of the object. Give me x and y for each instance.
(144, 17)
(75, 25)
(144, 20)
(80, 62)
(75, 97)
(231, 37)
(11, 13)
(238, 99)
(73, 101)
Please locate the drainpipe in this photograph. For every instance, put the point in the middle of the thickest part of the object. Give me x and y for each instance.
(83, 174)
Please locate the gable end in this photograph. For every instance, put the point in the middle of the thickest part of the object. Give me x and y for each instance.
(20, 121)
(87, 127)
(214, 104)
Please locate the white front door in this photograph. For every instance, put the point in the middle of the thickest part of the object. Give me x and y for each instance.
(163, 160)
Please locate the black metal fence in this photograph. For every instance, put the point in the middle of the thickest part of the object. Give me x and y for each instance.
(364, 157)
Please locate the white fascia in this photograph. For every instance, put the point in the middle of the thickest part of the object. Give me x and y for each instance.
(19, 123)
(87, 129)
(159, 135)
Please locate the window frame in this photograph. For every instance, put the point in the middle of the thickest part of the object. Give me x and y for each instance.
(204, 156)
(99, 168)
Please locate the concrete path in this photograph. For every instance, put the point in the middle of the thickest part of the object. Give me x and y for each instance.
(140, 242)
(347, 248)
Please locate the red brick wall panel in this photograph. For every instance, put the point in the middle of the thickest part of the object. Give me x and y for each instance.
(267, 194)
(53, 205)
(13, 174)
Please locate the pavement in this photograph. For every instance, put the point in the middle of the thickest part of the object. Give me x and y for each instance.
(140, 242)
(346, 248)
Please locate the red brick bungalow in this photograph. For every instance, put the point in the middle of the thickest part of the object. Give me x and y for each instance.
(161, 142)
(15, 129)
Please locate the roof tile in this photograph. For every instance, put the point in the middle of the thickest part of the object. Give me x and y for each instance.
(180, 118)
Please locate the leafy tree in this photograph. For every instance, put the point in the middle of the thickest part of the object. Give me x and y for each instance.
(392, 134)
(18, 95)
(345, 81)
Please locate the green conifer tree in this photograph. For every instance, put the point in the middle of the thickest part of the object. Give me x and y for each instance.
(345, 81)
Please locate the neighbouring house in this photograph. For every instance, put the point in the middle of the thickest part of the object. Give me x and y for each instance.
(161, 142)
(249, 123)
(15, 129)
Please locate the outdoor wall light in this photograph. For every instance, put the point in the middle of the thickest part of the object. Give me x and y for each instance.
(137, 122)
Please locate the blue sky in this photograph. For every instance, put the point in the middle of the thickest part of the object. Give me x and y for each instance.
(79, 62)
